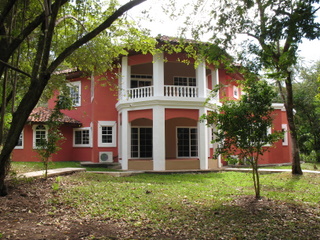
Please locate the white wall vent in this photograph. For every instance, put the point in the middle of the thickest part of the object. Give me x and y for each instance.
(105, 157)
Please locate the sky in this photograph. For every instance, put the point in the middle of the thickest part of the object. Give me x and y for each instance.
(163, 25)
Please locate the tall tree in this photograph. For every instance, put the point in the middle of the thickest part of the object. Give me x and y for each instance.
(275, 28)
(307, 108)
(36, 24)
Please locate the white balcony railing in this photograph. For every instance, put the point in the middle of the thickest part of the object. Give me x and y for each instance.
(141, 92)
(169, 91)
(180, 91)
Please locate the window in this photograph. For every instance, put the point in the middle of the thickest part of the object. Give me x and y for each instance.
(82, 137)
(107, 134)
(75, 93)
(140, 81)
(20, 141)
(141, 142)
(187, 142)
(235, 92)
(185, 81)
(39, 134)
(285, 134)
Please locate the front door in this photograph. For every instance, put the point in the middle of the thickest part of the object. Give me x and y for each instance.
(187, 142)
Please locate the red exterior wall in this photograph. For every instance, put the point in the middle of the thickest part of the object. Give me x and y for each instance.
(101, 107)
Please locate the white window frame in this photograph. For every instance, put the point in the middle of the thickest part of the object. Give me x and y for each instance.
(285, 134)
(141, 78)
(111, 124)
(82, 129)
(269, 131)
(176, 79)
(21, 137)
(34, 128)
(76, 84)
(236, 92)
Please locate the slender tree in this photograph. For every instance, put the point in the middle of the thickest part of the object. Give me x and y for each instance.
(241, 126)
(275, 28)
(37, 26)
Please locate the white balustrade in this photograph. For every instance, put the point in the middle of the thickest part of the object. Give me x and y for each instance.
(180, 91)
(141, 92)
(169, 91)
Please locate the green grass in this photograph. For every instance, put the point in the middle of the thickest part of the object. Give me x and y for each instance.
(304, 166)
(185, 202)
(22, 167)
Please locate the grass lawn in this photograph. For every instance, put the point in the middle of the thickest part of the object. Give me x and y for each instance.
(186, 206)
(22, 167)
(198, 206)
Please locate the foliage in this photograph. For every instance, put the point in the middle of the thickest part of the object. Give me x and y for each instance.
(242, 126)
(307, 111)
(51, 143)
(39, 38)
(274, 30)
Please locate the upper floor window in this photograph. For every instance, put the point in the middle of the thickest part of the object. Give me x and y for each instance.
(82, 137)
(40, 133)
(140, 81)
(107, 134)
(20, 141)
(185, 81)
(75, 93)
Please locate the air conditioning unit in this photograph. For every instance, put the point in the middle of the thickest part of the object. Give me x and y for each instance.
(105, 157)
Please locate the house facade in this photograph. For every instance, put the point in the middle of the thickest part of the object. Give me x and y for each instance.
(145, 115)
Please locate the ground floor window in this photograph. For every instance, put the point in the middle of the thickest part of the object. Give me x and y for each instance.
(141, 142)
(39, 134)
(81, 137)
(107, 134)
(20, 141)
(187, 142)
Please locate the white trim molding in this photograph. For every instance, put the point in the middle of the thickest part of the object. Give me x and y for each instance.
(85, 137)
(107, 129)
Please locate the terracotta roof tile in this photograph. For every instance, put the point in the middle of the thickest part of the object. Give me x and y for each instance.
(42, 114)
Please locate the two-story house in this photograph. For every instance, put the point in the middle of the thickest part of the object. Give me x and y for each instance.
(145, 115)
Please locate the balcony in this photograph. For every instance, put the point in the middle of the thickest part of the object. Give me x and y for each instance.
(170, 92)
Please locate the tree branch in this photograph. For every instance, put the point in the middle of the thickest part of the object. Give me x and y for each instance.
(73, 17)
(107, 23)
(14, 68)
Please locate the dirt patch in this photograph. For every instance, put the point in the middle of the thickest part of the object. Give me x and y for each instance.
(26, 214)
(30, 212)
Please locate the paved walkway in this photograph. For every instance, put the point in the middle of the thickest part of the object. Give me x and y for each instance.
(51, 172)
(64, 171)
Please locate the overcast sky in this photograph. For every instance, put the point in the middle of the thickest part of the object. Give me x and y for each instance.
(163, 25)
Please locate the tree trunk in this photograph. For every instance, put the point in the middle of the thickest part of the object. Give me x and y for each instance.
(19, 119)
(296, 166)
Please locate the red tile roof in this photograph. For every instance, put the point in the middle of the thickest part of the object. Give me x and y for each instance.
(42, 114)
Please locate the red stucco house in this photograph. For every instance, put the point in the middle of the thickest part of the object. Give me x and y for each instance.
(151, 122)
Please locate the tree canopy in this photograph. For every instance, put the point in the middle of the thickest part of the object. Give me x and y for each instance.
(41, 37)
(274, 30)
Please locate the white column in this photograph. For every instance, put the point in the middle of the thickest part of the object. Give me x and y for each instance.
(215, 77)
(125, 78)
(215, 80)
(125, 140)
(158, 74)
(203, 145)
(159, 149)
(201, 79)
